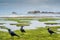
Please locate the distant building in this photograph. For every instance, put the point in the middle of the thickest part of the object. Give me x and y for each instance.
(14, 13)
(46, 12)
(34, 12)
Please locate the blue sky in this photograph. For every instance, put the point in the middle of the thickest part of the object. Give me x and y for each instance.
(23, 6)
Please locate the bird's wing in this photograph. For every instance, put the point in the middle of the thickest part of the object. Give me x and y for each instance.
(12, 33)
(51, 31)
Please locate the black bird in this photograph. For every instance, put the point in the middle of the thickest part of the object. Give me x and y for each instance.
(12, 33)
(22, 30)
(50, 31)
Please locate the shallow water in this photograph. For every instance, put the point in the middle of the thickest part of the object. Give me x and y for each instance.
(8, 22)
(4, 30)
(33, 25)
(57, 21)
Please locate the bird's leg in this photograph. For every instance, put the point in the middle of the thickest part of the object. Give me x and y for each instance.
(13, 38)
(50, 34)
(22, 34)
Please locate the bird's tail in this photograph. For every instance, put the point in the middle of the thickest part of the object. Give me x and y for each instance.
(17, 36)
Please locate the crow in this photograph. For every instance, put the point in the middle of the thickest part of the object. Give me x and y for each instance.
(50, 31)
(22, 30)
(12, 33)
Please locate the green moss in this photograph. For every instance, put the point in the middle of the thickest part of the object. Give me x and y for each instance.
(48, 19)
(36, 34)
